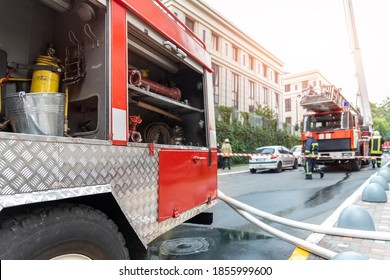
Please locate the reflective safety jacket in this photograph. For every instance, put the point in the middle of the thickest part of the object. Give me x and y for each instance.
(311, 147)
(376, 145)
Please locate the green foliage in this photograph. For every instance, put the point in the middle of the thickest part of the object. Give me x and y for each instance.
(381, 117)
(225, 113)
(245, 138)
(265, 112)
(245, 116)
(270, 118)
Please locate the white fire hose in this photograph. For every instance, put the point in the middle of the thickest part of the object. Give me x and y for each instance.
(375, 235)
(246, 211)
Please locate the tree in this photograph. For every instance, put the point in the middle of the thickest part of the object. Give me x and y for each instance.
(225, 113)
(381, 117)
(267, 114)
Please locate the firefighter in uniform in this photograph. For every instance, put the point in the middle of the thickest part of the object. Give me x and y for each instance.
(311, 152)
(376, 143)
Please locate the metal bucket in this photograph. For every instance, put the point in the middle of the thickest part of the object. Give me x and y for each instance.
(36, 113)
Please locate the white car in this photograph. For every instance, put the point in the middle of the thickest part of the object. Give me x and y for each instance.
(275, 158)
(297, 152)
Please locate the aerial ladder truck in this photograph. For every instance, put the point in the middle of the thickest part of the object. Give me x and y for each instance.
(342, 131)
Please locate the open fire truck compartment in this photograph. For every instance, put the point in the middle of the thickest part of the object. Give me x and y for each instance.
(103, 99)
(87, 42)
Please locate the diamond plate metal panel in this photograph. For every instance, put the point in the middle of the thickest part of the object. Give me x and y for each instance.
(37, 168)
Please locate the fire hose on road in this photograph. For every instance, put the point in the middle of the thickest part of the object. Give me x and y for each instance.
(246, 211)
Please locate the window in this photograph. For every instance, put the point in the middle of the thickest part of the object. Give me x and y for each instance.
(190, 24)
(314, 83)
(236, 81)
(252, 88)
(226, 49)
(265, 68)
(276, 77)
(333, 121)
(215, 41)
(305, 84)
(265, 101)
(235, 53)
(251, 63)
(295, 87)
(288, 120)
(243, 60)
(258, 95)
(276, 100)
(287, 88)
(216, 73)
(204, 36)
(287, 104)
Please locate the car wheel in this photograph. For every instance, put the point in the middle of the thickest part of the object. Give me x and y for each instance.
(252, 170)
(279, 167)
(295, 166)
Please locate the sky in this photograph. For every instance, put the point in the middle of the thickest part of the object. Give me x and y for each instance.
(313, 34)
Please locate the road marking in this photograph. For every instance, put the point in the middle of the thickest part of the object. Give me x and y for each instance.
(299, 254)
(233, 172)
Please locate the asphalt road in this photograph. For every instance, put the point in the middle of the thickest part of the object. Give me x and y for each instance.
(284, 194)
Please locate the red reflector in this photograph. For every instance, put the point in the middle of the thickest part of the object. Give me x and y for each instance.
(273, 156)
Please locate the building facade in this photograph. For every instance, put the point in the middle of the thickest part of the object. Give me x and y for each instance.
(246, 75)
(293, 84)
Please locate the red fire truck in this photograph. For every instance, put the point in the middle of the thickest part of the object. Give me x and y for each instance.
(336, 125)
(107, 134)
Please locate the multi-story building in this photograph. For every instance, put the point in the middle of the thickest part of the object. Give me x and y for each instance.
(245, 73)
(293, 84)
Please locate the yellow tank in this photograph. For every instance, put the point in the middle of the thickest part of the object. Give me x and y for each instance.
(46, 80)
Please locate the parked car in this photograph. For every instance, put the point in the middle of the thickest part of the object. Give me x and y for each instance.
(276, 158)
(297, 152)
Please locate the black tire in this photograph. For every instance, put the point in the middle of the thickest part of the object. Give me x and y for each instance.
(295, 166)
(67, 230)
(279, 167)
(356, 164)
(253, 170)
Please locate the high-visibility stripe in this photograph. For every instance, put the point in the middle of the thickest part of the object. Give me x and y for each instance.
(375, 145)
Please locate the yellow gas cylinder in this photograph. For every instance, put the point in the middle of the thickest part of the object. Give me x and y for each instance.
(45, 80)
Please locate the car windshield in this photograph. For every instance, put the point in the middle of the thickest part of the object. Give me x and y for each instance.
(296, 149)
(266, 151)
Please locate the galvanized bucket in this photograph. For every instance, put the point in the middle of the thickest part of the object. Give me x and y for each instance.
(36, 113)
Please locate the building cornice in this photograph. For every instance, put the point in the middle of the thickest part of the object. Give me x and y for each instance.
(208, 11)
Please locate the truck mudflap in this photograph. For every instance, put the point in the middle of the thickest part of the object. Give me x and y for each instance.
(37, 168)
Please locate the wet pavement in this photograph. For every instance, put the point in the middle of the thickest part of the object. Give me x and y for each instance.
(202, 242)
(373, 249)
(366, 248)
(189, 242)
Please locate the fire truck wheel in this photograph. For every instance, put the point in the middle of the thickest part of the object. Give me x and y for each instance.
(356, 165)
(65, 232)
